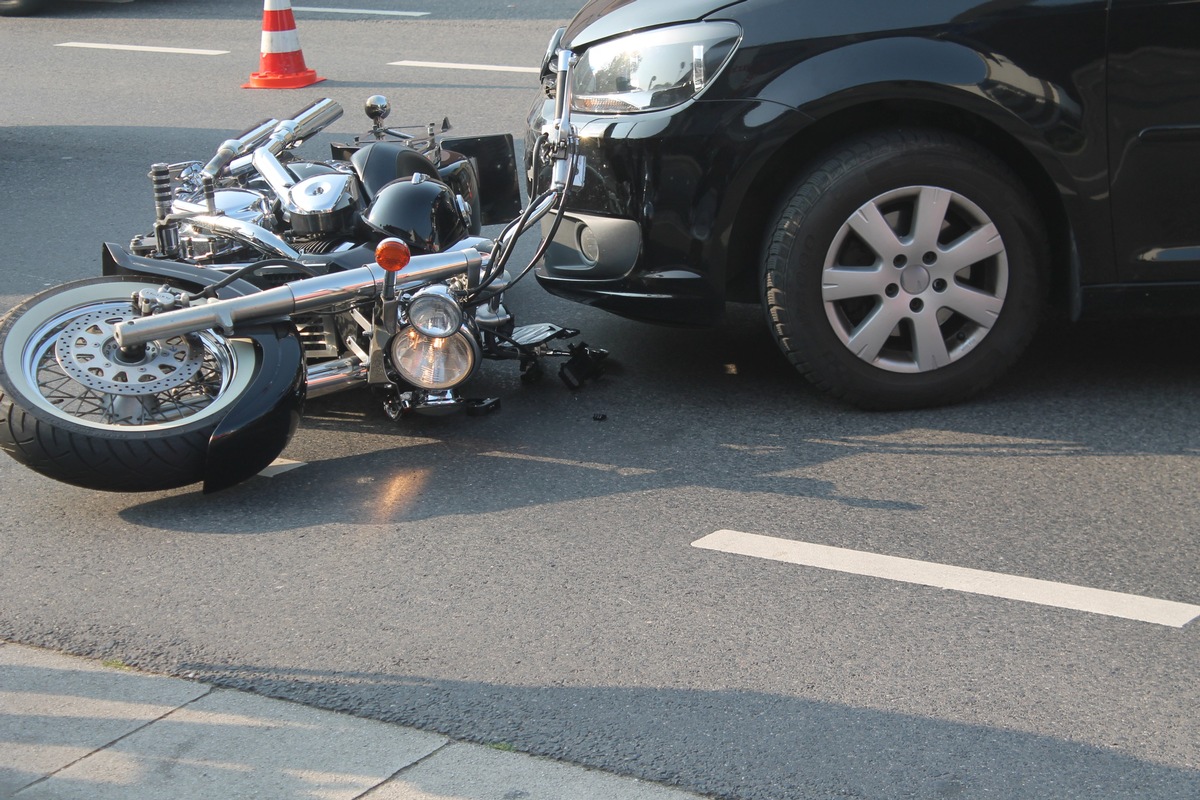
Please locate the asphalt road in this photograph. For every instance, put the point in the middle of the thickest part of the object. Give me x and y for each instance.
(528, 578)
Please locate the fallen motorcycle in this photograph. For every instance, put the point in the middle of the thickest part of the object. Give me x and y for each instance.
(269, 279)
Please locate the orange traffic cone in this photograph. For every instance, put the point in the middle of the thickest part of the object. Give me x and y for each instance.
(281, 64)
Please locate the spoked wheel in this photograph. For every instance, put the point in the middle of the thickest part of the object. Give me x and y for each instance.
(77, 409)
(905, 271)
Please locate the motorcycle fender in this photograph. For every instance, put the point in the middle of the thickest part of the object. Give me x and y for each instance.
(256, 430)
(116, 260)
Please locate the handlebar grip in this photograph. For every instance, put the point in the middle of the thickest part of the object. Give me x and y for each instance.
(232, 148)
(227, 152)
(315, 118)
(255, 136)
(275, 134)
(306, 122)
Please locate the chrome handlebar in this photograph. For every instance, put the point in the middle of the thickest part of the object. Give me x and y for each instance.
(275, 135)
(271, 138)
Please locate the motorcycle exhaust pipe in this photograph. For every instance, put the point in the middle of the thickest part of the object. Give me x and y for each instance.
(334, 376)
(309, 294)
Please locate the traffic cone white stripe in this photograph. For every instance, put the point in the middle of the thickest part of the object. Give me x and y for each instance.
(280, 41)
(281, 64)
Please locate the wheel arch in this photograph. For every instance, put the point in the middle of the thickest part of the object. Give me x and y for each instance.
(811, 145)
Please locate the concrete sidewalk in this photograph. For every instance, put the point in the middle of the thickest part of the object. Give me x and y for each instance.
(74, 728)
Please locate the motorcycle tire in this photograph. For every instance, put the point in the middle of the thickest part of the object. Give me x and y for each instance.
(20, 8)
(71, 410)
(905, 270)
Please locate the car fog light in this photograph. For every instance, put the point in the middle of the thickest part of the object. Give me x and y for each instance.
(589, 245)
(434, 363)
(434, 312)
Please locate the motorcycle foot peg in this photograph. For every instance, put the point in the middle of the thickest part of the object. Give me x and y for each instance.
(583, 365)
(532, 371)
(486, 405)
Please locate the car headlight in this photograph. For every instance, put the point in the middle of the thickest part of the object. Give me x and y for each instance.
(652, 69)
(434, 312)
(434, 363)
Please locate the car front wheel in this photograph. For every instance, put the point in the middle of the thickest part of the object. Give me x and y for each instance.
(905, 270)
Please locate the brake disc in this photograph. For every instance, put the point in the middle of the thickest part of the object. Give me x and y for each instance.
(88, 351)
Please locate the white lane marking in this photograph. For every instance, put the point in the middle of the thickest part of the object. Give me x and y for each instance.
(322, 10)
(450, 65)
(622, 471)
(280, 466)
(960, 579)
(144, 48)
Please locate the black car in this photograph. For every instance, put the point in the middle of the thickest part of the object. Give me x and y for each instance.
(20, 8)
(903, 186)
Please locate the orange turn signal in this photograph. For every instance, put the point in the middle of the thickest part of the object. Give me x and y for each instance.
(392, 254)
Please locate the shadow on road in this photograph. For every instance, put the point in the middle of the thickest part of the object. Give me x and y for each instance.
(715, 409)
(757, 745)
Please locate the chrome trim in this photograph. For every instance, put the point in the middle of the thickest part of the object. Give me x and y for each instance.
(246, 232)
(246, 205)
(322, 194)
(330, 377)
(309, 294)
(273, 172)
(232, 148)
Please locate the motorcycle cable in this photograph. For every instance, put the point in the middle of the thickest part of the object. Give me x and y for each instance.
(507, 238)
(503, 251)
(545, 243)
(211, 290)
(499, 263)
(558, 218)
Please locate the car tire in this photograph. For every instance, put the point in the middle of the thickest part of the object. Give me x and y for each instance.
(20, 8)
(905, 270)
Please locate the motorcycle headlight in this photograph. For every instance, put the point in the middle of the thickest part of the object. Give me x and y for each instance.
(432, 362)
(434, 312)
(652, 69)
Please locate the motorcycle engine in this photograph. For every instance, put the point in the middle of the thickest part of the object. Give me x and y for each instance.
(318, 213)
(322, 204)
(246, 205)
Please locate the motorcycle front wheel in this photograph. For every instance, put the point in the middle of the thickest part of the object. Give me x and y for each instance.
(76, 409)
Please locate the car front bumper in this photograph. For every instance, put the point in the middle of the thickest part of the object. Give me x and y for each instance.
(648, 235)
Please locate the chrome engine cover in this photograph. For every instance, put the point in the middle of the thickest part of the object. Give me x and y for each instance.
(245, 205)
(322, 203)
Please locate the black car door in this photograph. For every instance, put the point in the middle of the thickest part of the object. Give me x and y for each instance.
(1154, 138)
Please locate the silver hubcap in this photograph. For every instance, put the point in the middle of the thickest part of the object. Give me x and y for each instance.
(915, 279)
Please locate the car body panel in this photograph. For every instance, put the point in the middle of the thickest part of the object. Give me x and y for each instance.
(695, 175)
(1154, 90)
(602, 20)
